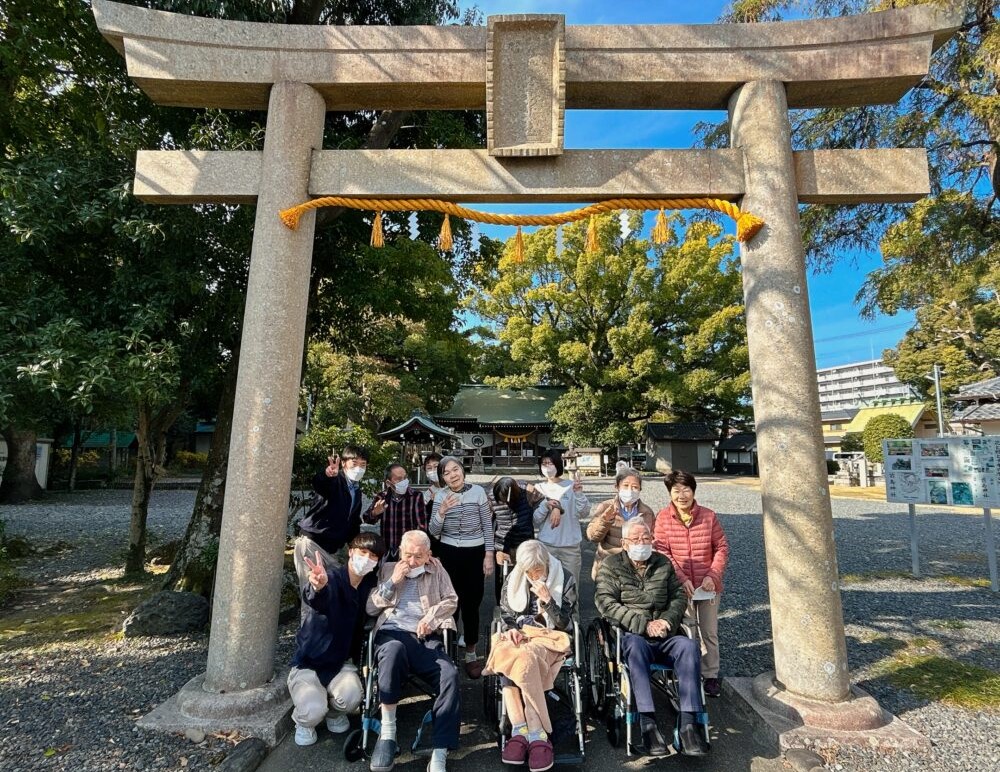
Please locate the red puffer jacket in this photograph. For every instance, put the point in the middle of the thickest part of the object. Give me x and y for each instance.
(697, 551)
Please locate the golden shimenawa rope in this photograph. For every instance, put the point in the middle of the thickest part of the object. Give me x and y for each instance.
(747, 224)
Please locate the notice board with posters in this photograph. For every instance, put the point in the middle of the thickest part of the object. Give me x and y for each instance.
(960, 471)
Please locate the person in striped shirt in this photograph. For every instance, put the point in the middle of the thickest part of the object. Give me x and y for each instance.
(462, 526)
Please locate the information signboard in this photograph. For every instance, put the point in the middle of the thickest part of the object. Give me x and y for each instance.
(957, 471)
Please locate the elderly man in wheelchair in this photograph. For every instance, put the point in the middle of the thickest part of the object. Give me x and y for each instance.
(415, 601)
(638, 591)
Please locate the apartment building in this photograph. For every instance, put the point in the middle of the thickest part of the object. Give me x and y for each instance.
(850, 386)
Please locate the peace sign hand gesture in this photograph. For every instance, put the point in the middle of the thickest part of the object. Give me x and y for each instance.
(318, 577)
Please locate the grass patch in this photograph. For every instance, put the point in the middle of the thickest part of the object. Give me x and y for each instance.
(94, 611)
(947, 624)
(937, 678)
(871, 576)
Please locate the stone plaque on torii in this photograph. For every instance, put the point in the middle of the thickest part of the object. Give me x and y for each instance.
(525, 70)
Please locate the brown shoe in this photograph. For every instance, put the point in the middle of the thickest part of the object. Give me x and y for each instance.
(474, 668)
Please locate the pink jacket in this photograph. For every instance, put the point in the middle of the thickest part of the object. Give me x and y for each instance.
(697, 551)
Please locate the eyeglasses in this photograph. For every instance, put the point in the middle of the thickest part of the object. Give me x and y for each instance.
(641, 540)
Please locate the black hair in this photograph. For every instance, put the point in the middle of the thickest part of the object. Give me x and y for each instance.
(624, 474)
(394, 465)
(367, 540)
(679, 477)
(507, 491)
(354, 451)
(432, 457)
(555, 456)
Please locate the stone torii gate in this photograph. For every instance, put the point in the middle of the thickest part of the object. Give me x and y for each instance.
(524, 70)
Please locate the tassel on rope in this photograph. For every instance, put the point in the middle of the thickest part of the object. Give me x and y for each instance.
(660, 233)
(378, 238)
(518, 246)
(444, 240)
(592, 234)
(748, 226)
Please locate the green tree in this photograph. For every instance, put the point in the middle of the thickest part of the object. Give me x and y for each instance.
(888, 426)
(628, 333)
(852, 443)
(943, 251)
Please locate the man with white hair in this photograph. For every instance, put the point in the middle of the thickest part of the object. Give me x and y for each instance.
(638, 590)
(414, 600)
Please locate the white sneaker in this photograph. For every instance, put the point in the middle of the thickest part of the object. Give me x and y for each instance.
(304, 735)
(461, 641)
(338, 725)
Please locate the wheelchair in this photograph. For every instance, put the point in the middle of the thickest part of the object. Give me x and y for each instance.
(611, 689)
(567, 700)
(360, 742)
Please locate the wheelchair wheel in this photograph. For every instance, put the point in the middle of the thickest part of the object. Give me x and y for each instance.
(491, 689)
(599, 693)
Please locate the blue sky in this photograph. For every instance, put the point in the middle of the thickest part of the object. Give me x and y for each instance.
(840, 334)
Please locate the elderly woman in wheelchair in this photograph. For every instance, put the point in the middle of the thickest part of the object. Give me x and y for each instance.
(415, 601)
(639, 594)
(529, 647)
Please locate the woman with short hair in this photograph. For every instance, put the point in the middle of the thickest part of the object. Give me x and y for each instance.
(462, 525)
(559, 528)
(691, 536)
(536, 611)
(605, 528)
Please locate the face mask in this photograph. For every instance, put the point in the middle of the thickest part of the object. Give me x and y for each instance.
(628, 495)
(361, 564)
(401, 487)
(640, 552)
(355, 473)
(549, 471)
(416, 572)
(432, 475)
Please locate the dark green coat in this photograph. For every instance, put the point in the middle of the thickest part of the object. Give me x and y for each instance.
(633, 601)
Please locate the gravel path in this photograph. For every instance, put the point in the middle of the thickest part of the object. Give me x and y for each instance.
(78, 700)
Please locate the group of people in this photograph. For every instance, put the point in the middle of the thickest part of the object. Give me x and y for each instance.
(426, 570)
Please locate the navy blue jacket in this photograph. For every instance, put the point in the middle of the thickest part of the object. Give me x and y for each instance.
(332, 624)
(337, 521)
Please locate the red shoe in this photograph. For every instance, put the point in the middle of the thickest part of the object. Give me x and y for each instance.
(516, 750)
(540, 756)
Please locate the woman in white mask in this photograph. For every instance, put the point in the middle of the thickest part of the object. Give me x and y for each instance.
(433, 478)
(605, 527)
(559, 527)
(323, 682)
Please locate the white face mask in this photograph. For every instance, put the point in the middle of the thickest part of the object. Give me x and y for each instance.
(355, 473)
(640, 552)
(401, 487)
(361, 564)
(416, 572)
(628, 495)
(548, 471)
(432, 475)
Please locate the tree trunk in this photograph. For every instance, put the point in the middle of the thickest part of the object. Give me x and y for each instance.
(19, 481)
(193, 568)
(142, 489)
(151, 434)
(74, 453)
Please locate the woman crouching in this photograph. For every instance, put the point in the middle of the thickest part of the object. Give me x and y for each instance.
(536, 611)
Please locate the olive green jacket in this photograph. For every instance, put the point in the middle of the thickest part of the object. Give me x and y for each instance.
(632, 601)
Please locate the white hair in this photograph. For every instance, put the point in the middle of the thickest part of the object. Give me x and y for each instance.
(443, 463)
(416, 538)
(630, 526)
(531, 555)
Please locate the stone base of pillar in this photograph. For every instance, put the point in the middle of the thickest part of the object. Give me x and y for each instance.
(263, 712)
(785, 721)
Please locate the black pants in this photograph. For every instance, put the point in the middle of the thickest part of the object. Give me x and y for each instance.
(465, 568)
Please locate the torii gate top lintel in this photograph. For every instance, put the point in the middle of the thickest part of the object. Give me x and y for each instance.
(853, 60)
